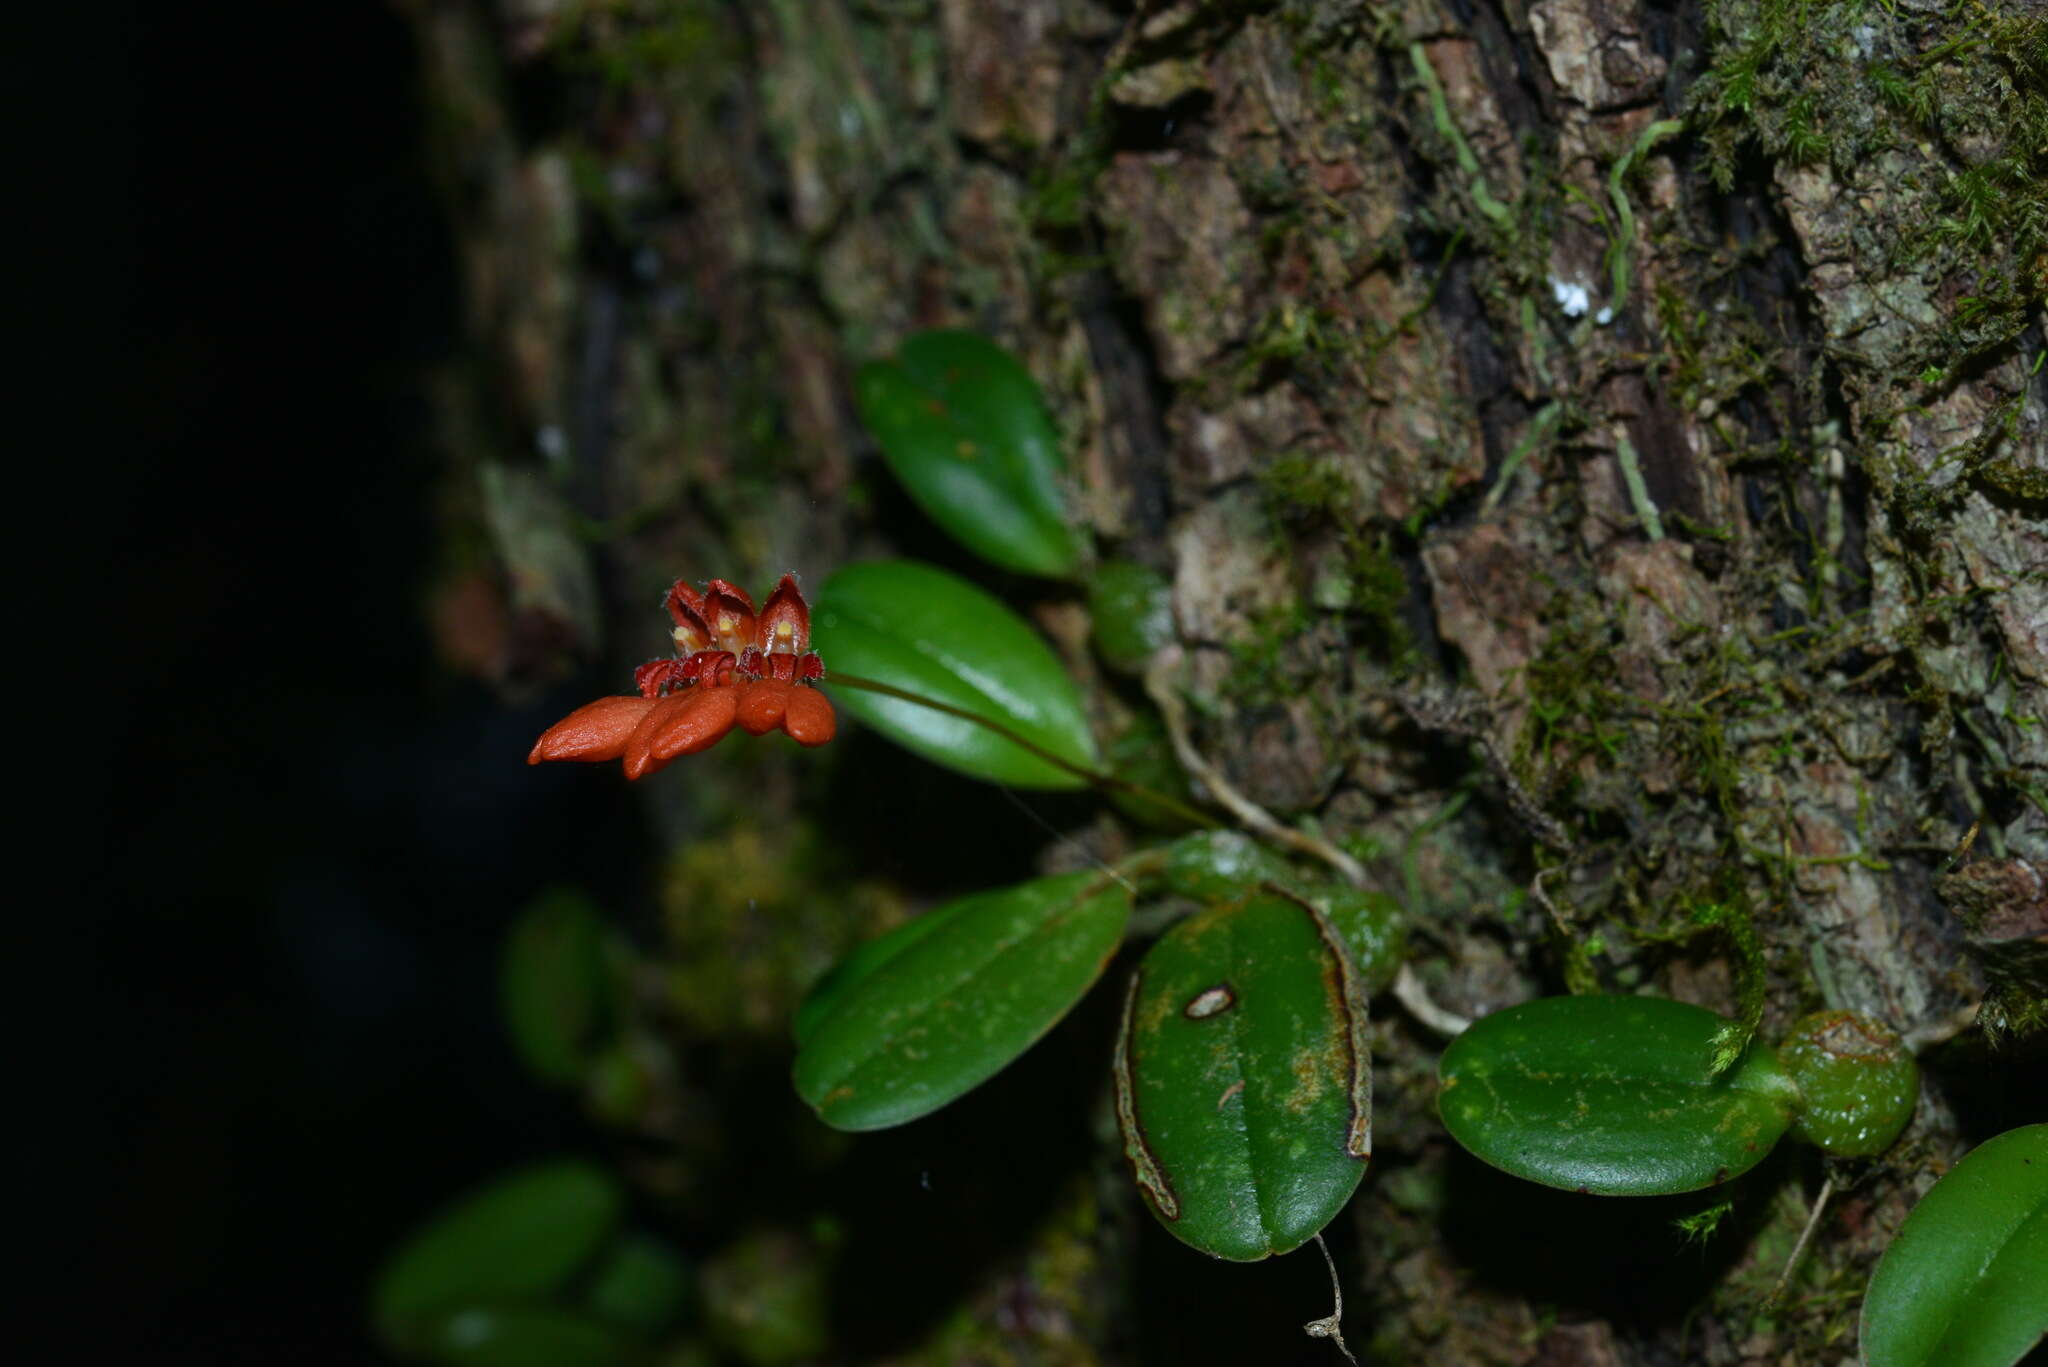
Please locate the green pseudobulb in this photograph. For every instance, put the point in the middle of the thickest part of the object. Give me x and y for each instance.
(1857, 1082)
(1131, 607)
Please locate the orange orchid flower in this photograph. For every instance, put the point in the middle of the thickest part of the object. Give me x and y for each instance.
(733, 666)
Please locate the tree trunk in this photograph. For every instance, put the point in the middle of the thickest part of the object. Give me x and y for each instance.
(1591, 438)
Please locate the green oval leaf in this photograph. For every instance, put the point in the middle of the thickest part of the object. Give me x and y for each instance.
(921, 629)
(962, 424)
(1243, 1082)
(526, 1336)
(947, 1013)
(556, 986)
(840, 980)
(1965, 1281)
(521, 1237)
(1611, 1095)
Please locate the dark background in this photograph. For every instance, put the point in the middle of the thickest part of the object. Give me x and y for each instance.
(310, 837)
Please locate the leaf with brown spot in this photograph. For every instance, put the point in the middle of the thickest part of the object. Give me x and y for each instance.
(1246, 1125)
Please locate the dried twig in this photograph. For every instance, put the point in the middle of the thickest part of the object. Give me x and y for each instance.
(1409, 991)
(1820, 1202)
(1329, 1326)
(1438, 713)
(1942, 1029)
(1249, 814)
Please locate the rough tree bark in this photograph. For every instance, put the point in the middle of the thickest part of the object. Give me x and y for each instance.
(1597, 436)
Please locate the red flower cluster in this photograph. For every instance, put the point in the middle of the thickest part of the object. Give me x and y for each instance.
(733, 666)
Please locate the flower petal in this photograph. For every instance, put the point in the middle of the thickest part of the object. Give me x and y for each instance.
(655, 676)
(785, 627)
(762, 702)
(594, 731)
(808, 717)
(693, 618)
(731, 615)
(714, 587)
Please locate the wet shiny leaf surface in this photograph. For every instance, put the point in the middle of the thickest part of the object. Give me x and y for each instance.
(932, 633)
(1611, 1095)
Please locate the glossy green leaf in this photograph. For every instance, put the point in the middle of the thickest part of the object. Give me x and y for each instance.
(1131, 607)
(1243, 1081)
(526, 1336)
(520, 1238)
(1965, 1281)
(556, 986)
(961, 423)
(840, 980)
(1611, 1095)
(929, 632)
(639, 1285)
(948, 1012)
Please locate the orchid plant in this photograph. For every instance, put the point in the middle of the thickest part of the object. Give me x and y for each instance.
(1241, 1072)
(948, 670)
